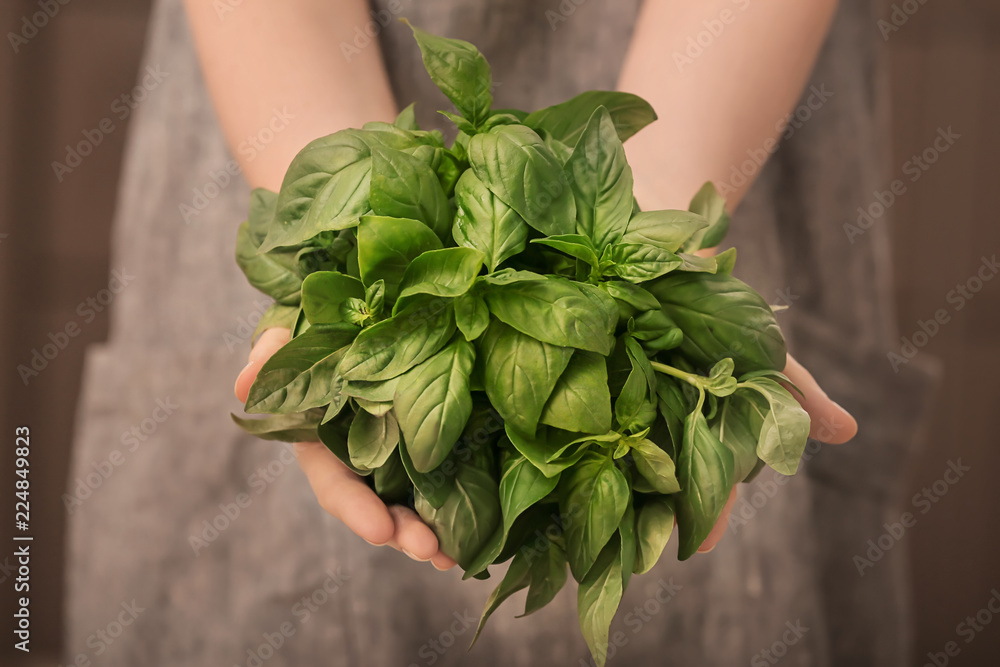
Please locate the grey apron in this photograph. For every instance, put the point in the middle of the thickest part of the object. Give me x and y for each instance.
(206, 547)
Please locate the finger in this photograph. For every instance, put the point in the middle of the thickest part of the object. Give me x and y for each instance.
(719, 529)
(830, 422)
(345, 495)
(412, 536)
(442, 562)
(269, 342)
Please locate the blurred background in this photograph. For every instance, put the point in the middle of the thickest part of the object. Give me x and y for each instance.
(54, 245)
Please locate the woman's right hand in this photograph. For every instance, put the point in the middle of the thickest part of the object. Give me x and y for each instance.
(343, 493)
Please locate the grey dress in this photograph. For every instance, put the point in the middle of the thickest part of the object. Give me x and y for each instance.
(213, 541)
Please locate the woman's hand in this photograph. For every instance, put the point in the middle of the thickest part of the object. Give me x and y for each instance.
(340, 491)
(831, 424)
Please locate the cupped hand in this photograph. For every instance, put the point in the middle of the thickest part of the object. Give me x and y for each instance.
(830, 423)
(343, 493)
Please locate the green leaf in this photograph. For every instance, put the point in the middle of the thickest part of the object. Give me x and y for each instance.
(630, 294)
(324, 293)
(390, 481)
(517, 578)
(468, 517)
(298, 427)
(404, 187)
(721, 317)
(334, 435)
(460, 71)
(386, 246)
(725, 261)
(407, 119)
(627, 536)
(558, 312)
(371, 440)
(598, 597)
(302, 374)
(434, 487)
(275, 274)
(567, 121)
(433, 403)
(738, 428)
(709, 204)
(656, 466)
(263, 203)
(785, 428)
(519, 373)
(653, 525)
(516, 165)
(471, 315)
(667, 230)
(393, 346)
(635, 408)
(698, 264)
(574, 245)
(446, 272)
(276, 316)
(548, 576)
(601, 181)
(639, 262)
(550, 450)
(593, 495)
(705, 470)
(581, 400)
(484, 222)
(460, 123)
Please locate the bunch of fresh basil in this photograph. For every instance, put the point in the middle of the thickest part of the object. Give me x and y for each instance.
(494, 332)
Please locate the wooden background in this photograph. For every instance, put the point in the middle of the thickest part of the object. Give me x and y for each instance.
(945, 71)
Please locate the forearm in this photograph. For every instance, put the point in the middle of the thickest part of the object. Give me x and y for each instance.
(715, 106)
(268, 57)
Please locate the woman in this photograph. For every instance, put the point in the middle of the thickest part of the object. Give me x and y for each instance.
(216, 537)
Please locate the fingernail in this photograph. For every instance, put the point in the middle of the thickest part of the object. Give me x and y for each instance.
(703, 550)
(419, 560)
(439, 569)
(372, 543)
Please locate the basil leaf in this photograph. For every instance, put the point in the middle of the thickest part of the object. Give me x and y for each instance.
(433, 403)
(558, 312)
(639, 262)
(635, 408)
(627, 537)
(484, 222)
(371, 440)
(785, 428)
(446, 272)
(519, 374)
(407, 119)
(404, 187)
(721, 317)
(598, 597)
(593, 495)
(436, 486)
(516, 165)
(580, 400)
(698, 264)
(471, 315)
(709, 204)
(299, 427)
(547, 578)
(705, 470)
(667, 230)
(386, 246)
(390, 481)
(550, 450)
(393, 346)
(653, 525)
(302, 374)
(656, 466)
(379, 392)
(334, 435)
(738, 428)
(574, 245)
(468, 517)
(601, 181)
(725, 261)
(275, 316)
(323, 294)
(460, 71)
(463, 125)
(517, 578)
(567, 121)
(274, 274)
(261, 213)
